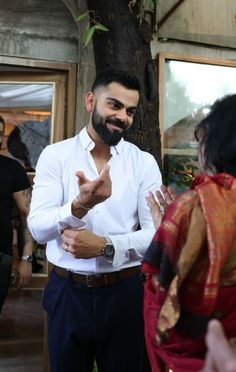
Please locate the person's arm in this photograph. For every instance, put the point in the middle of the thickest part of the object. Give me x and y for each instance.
(221, 357)
(48, 216)
(24, 271)
(132, 246)
(128, 247)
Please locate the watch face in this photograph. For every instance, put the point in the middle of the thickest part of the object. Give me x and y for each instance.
(29, 259)
(109, 250)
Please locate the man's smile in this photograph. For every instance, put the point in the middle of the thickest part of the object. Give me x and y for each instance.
(115, 124)
(114, 127)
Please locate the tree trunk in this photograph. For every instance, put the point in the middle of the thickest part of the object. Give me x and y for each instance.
(125, 46)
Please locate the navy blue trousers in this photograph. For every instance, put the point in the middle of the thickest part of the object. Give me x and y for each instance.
(103, 324)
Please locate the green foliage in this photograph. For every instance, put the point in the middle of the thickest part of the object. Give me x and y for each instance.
(146, 8)
(95, 368)
(93, 25)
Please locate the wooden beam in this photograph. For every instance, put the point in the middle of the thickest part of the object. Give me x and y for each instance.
(169, 13)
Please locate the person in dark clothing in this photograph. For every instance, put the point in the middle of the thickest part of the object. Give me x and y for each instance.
(15, 189)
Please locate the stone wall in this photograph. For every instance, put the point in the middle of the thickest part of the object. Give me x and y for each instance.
(38, 29)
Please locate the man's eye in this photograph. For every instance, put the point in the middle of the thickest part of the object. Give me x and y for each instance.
(130, 113)
(114, 104)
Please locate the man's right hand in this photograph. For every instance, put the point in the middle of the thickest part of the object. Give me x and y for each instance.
(94, 192)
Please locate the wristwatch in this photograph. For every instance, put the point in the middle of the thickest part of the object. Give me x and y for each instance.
(28, 258)
(108, 250)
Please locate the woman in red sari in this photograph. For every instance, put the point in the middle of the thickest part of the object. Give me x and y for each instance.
(191, 262)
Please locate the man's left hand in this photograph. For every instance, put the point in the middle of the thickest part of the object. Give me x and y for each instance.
(82, 243)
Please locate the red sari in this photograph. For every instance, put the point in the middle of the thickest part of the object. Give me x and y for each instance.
(193, 254)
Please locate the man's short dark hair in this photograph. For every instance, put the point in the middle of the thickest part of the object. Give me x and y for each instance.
(217, 136)
(122, 77)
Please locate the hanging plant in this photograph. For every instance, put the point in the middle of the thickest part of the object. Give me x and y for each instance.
(93, 25)
(146, 9)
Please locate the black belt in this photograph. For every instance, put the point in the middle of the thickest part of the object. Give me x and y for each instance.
(97, 280)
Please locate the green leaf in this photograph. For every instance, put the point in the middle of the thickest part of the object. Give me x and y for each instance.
(81, 17)
(148, 5)
(101, 27)
(88, 35)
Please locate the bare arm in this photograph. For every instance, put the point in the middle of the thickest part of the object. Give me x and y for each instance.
(220, 355)
(22, 199)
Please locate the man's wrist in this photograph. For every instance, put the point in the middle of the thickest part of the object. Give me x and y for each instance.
(108, 251)
(80, 205)
(77, 209)
(27, 258)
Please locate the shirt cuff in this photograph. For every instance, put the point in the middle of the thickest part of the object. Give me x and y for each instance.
(66, 219)
(122, 254)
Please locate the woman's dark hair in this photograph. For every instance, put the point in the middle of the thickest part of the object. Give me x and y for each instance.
(17, 148)
(122, 77)
(217, 136)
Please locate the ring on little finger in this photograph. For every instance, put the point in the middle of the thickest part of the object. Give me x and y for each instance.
(66, 247)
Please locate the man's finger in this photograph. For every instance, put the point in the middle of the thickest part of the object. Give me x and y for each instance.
(82, 178)
(96, 184)
(105, 170)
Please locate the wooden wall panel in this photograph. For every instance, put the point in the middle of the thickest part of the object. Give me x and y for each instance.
(211, 22)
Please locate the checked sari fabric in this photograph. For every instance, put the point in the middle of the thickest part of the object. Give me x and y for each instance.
(193, 256)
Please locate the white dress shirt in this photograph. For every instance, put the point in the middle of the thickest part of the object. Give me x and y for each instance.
(133, 173)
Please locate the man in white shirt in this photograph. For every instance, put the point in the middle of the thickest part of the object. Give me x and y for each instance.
(89, 206)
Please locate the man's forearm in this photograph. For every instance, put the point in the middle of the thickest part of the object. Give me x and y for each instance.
(28, 239)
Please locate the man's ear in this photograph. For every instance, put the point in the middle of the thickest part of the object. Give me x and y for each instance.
(89, 101)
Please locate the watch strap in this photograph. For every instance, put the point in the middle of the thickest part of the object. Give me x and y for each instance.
(28, 258)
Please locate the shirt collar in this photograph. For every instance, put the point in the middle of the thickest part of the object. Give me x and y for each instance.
(88, 144)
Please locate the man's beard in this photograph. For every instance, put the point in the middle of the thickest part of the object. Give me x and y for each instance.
(110, 138)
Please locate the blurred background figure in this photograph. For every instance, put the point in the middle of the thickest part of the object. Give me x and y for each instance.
(27, 140)
(17, 149)
(15, 189)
